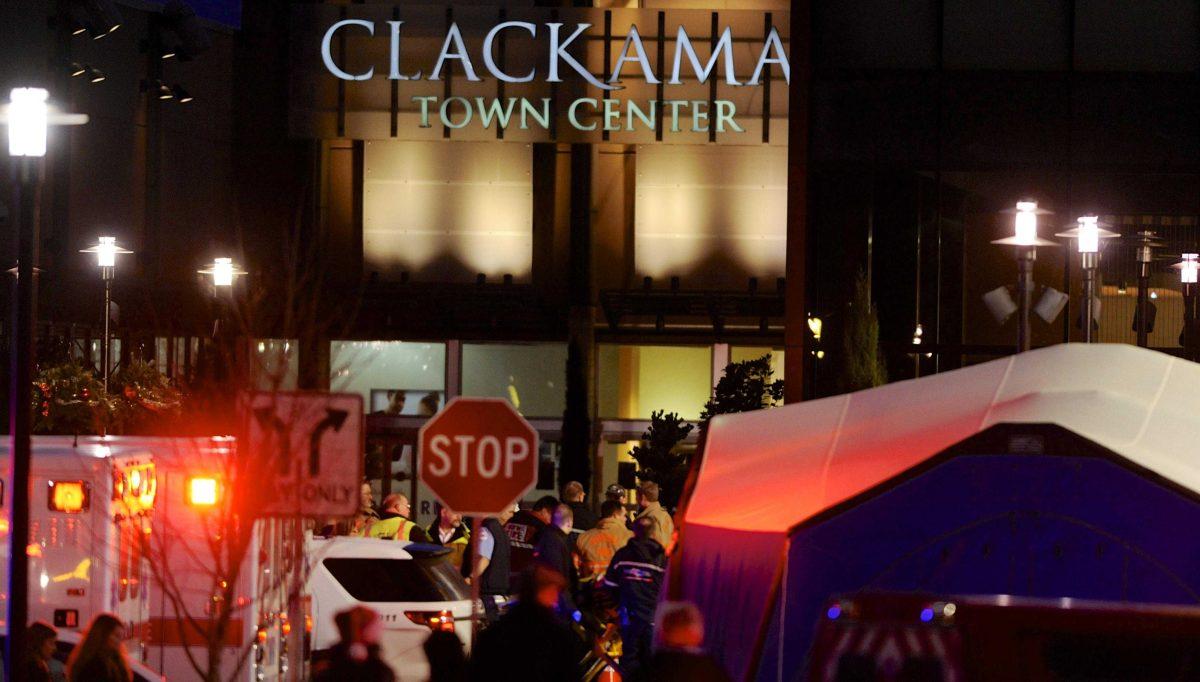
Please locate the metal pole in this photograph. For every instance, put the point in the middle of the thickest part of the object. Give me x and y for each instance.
(1190, 317)
(1090, 262)
(476, 578)
(1145, 254)
(27, 171)
(106, 344)
(1025, 257)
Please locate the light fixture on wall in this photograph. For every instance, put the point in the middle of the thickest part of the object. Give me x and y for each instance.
(97, 18)
(182, 96)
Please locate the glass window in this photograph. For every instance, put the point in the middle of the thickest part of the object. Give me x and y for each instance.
(397, 377)
(393, 580)
(637, 380)
(276, 364)
(744, 353)
(530, 376)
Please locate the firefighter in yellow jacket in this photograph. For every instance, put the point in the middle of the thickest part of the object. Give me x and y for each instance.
(394, 524)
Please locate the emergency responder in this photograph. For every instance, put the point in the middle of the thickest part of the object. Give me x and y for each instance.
(616, 493)
(597, 546)
(585, 518)
(495, 554)
(393, 523)
(523, 530)
(647, 495)
(448, 530)
(634, 579)
(553, 551)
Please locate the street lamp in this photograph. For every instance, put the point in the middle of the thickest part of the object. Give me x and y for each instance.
(28, 116)
(1145, 242)
(223, 271)
(106, 258)
(1189, 269)
(1026, 241)
(1087, 235)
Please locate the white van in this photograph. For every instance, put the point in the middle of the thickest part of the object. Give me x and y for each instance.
(414, 588)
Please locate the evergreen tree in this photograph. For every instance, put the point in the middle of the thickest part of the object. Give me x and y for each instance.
(862, 363)
(659, 457)
(68, 400)
(743, 387)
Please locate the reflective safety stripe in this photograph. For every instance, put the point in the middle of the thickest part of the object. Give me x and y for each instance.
(395, 528)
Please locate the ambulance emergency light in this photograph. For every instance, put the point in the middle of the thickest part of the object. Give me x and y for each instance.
(69, 497)
(203, 491)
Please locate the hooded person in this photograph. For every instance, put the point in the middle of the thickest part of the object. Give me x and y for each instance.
(356, 656)
(530, 643)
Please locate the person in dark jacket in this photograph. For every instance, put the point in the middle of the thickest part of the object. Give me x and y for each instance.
(634, 579)
(554, 552)
(680, 656)
(523, 530)
(495, 556)
(356, 656)
(530, 643)
(585, 518)
(447, 661)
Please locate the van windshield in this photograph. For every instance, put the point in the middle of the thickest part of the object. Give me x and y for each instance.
(399, 580)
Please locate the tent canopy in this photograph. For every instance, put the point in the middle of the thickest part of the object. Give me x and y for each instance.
(766, 473)
(772, 469)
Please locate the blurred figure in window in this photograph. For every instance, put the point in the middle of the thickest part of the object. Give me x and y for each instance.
(680, 656)
(40, 641)
(356, 656)
(428, 405)
(100, 657)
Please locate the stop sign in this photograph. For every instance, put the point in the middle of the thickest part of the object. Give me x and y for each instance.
(478, 455)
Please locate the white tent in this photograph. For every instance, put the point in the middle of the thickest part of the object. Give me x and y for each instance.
(765, 473)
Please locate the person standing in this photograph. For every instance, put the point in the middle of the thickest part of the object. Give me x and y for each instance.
(554, 552)
(40, 640)
(100, 656)
(597, 546)
(495, 558)
(647, 496)
(530, 643)
(634, 579)
(394, 524)
(356, 656)
(585, 519)
(448, 530)
(523, 530)
(680, 656)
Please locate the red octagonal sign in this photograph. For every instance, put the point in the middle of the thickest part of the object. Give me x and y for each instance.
(478, 455)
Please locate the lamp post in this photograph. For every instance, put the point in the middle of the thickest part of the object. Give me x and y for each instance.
(1087, 235)
(1146, 242)
(28, 116)
(223, 272)
(1189, 269)
(1026, 241)
(106, 258)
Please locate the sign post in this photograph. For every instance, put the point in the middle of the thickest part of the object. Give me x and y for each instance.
(478, 456)
(309, 447)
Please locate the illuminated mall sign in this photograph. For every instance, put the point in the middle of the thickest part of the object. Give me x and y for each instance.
(538, 74)
(557, 38)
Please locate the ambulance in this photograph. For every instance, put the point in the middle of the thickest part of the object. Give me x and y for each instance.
(99, 505)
